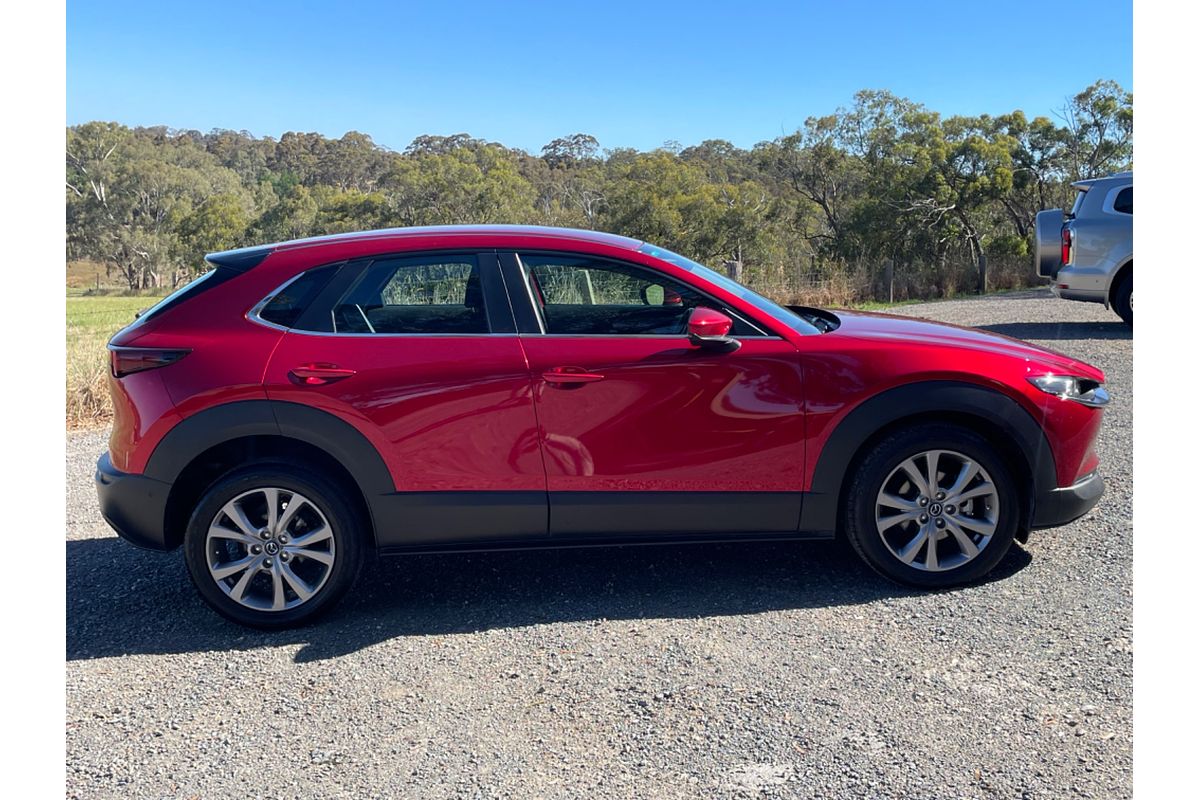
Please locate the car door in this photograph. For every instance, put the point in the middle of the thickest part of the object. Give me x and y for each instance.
(641, 432)
(419, 352)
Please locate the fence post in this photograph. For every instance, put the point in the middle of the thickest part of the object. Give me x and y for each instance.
(982, 274)
(889, 277)
(734, 268)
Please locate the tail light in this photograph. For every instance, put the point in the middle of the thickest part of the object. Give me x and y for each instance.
(128, 360)
(1066, 245)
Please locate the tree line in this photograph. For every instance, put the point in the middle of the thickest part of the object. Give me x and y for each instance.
(883, 179)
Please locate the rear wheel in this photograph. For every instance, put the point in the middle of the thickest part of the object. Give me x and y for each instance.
(272, 546)
(1122, 301)
(932, 506)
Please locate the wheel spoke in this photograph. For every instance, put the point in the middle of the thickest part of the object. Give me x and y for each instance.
(986, 527)
(886, 523)
(969, 549)
(272, 497)
(898, 502)
(223, 571)
(324, 556)
(302, 589)
(914, 474)
(983, 489)
(931, 470)
(295, 503)
(965, 475)
(909, 551)
(278, 601)
(221, 532)
(312, 537)
(239, 589)
(233, 509)
(931, 559)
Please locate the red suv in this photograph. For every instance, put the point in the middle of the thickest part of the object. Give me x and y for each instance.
(467, 388)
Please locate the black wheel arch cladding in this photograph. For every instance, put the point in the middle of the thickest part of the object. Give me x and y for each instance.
(941, 400)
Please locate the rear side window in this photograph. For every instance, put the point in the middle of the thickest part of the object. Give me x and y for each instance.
(1123, 203)
(289, 302)
(414, 295)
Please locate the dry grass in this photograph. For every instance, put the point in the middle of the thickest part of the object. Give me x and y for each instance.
(91, 322)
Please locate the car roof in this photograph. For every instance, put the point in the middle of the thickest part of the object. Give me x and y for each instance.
(247, 257)
(1090, 182)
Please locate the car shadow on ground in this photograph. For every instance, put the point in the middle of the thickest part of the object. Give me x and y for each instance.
(124, 601)
(1062, 331)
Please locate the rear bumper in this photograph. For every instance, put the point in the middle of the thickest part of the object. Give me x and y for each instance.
(1089, 284)
(1060, 506)
(1076, 294)
(133, 505)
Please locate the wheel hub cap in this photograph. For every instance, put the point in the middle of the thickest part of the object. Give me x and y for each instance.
(270, 549)
(944, 532)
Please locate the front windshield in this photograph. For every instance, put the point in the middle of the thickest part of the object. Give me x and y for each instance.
(771, 309)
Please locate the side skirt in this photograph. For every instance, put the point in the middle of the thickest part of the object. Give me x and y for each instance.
(642, 540)
(436, 521)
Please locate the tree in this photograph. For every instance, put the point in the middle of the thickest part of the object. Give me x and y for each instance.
(882, 178)
(1100, 122)
(219, 223)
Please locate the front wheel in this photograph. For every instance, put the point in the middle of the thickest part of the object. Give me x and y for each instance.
(932, 506)
(272, 546)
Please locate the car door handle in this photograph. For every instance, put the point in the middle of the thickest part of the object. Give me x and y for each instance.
(319, 374)
(570, 375)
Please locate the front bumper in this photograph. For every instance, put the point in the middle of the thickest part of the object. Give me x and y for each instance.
(1060, 506)
(133, 505)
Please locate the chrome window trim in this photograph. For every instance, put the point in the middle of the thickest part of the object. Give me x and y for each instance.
(302, 332)
(667, 336)
(253, 315)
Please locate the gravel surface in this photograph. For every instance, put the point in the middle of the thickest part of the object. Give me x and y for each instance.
(773, 670)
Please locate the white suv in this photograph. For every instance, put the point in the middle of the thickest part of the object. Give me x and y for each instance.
(1088, 252)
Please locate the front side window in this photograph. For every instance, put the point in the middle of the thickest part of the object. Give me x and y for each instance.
(414, 295)
(1123, 204)
(578, 295)
(768, 307)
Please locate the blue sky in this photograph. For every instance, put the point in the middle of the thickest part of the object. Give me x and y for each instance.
(633, 74)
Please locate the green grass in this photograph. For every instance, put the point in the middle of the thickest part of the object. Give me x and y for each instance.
(91, 322)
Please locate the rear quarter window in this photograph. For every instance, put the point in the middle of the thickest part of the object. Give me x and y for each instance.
(288, 303)
(1080, 197)
(1123, 203)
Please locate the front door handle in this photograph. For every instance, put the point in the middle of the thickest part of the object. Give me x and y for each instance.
(569, 375)
(319, 374)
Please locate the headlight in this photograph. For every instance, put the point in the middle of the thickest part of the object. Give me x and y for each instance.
(1081, 390)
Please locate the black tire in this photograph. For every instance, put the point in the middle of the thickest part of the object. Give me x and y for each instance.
(349, 542)
(1122, 301)
(859, 513)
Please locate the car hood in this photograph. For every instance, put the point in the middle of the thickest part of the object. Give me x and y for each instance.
(892, 328)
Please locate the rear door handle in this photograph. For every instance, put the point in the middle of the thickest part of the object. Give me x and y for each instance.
(319, 374)
(570, 375)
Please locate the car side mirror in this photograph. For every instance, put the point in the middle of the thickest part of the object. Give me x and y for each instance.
(709, 329)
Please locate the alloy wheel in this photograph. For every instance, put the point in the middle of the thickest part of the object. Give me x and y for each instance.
(270, 549)
(937, 510)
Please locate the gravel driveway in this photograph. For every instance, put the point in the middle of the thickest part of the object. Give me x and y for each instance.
(717, 671)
